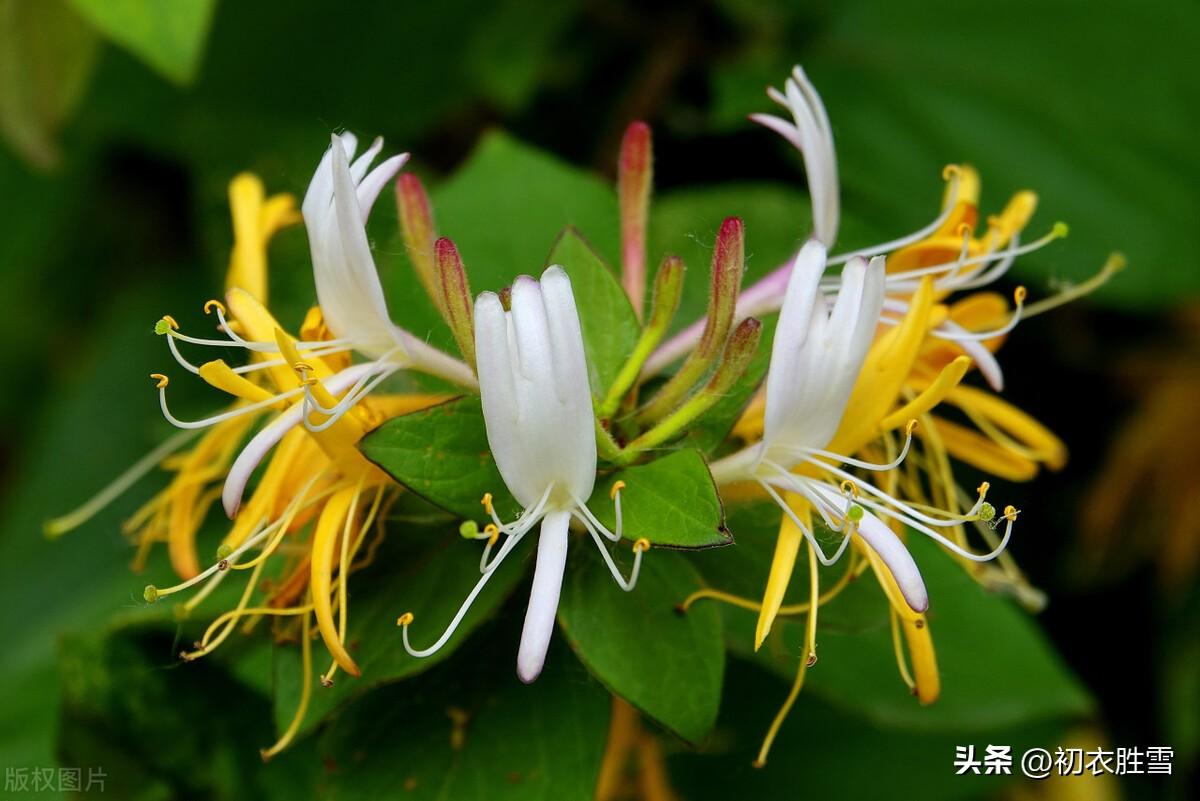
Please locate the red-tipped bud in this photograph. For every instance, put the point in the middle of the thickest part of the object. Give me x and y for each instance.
(739, 351)
(635, 172)
(728, 259)
(454, 293)
(416, 225)
(727, 265)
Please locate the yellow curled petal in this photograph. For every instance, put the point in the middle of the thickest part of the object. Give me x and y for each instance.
(924, 659)
(1032, 434)
(887, 366)
(979, 451)
(786, 547)
(1014, 218)
(247, 261)
(278, 212)
(947, 380)
(329, 526)
(220, 375)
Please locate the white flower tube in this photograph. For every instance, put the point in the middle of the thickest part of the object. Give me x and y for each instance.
(537, 404)
(816, 357)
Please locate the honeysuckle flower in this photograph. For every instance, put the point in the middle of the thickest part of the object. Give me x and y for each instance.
(941, 250)
(537, 405)
(815, 382)
(353, 313)
(174, 514)
(816, 358)
(314, 473)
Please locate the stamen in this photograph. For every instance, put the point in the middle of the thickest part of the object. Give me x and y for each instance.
(305, 694)
(639, 548)
(805, 664)
(898, 648)
(363, 387)
(583, 511)
(406, 619)
(238, 410)
(979, 336)
(215, 304)
(1115, 263)
(61, 525)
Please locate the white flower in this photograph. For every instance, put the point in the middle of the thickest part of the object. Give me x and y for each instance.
(537, 406)
(816, 357)
(817, 353)
(809, 131)
(335, 210)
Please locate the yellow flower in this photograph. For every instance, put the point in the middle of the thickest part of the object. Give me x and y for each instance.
(314, 475)
(821, 449)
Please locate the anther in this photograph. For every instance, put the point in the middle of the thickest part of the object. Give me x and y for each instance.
(983, 490)
(1019, 295)
(161, 380)
(493, 533)
(487, 502)
(641, 545)
(405, 619)
(326, 682)
(910, 427)
(919, 623)
(616, 488)
(223, 564)
(214, 304)
(167, 323)
(951, 171)
(1011, 512)
(850, 488)
(150, 594)
(812, 659)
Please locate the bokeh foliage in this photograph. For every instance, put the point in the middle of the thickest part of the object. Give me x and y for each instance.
(123, 123)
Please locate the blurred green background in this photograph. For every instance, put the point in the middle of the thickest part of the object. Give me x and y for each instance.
(122, 122)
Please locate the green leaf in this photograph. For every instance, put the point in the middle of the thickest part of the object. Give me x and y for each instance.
(823, 752)
(167, 36)
(671, 502)
(668, 665)
(505, 207)
(984, 687)
(47, 54)
(442, 454)
(119, 699)
(610, 327)
(541, 741)
(431, 582)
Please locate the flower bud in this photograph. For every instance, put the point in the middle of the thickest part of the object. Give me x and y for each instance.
(668, 289)
(634, 175)
(454, 291)
(416, 225)
(742, 346)
(728, 262)
(727, 265)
